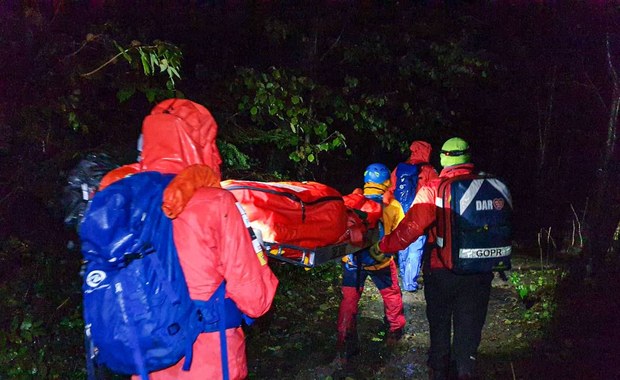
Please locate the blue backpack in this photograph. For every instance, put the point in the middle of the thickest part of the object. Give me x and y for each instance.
(138, 313)
(474, 211)
(406, 184)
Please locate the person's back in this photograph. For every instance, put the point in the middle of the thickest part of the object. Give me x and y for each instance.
(410, 258)
(420, 155)
(456, 304)
(211, 238)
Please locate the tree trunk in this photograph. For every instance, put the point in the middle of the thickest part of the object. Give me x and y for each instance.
(604, 221)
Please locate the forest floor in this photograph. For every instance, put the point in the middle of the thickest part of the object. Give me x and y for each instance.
(567, 328)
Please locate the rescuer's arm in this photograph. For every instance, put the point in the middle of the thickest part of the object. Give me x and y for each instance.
(420, 216)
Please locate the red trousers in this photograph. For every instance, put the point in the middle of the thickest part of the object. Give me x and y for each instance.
(386, 280)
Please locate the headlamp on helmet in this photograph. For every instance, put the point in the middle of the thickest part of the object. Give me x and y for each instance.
(454, 151)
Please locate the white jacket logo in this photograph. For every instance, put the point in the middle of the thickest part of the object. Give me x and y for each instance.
(95, 278)
(490, 204)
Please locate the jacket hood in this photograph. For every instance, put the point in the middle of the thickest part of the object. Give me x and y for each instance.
(420, 152)
(179, 133)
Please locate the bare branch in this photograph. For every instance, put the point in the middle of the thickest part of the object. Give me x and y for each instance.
(593, 87)
(612, 70)
(105, 64)
(614, 109)
(578, 225)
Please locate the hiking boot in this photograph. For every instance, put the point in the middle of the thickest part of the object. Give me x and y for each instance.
(348, 348)
(352, 346)
(465, 369)
(441, 370)
(394, 337)
(437, 374)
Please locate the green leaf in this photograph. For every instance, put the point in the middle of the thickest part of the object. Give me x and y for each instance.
(119, 47)
(321, 129)
(26, 325)
(174, 71)
(127, 56)
(153, 60)
(170, 76)
(294, 156)
(145, 62)
(311, 157)
(151, 94)
(125, 94)
(163, 65)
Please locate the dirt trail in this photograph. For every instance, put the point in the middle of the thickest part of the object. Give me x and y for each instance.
(298, 342)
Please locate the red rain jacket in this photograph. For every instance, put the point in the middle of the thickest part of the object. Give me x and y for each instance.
(211, 238)
(421, 218)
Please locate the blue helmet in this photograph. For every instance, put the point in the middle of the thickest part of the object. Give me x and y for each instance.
(376, 173)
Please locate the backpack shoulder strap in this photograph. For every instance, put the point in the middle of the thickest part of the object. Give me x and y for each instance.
(442, 203)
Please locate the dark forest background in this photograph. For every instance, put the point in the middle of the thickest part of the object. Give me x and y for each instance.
(313, 90)
(532, 86)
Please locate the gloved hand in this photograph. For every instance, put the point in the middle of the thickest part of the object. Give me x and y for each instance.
(376, 253)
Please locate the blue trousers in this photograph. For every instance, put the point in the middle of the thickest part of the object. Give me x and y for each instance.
(409, 264)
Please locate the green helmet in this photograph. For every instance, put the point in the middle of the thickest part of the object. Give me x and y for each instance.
(454, 151)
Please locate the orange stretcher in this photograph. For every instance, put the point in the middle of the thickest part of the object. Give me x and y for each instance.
(301, 223)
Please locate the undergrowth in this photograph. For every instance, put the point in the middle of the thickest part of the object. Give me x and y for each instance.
(537, 290)
(41, 334)
(41, 324)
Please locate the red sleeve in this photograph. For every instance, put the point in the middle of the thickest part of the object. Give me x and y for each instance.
(392, 182)
(420, 216)
(214, 245)
(249, 280)
(427, 174)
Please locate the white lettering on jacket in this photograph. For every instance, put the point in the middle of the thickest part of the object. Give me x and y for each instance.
(486, 204)
(484, 253)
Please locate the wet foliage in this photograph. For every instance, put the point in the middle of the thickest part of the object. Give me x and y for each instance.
(302, 91)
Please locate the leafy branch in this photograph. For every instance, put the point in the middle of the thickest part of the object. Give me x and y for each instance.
(160, 57)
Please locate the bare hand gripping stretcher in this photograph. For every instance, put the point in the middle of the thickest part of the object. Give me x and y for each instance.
(301, 223)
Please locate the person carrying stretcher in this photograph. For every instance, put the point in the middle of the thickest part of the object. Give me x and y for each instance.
(383, 216)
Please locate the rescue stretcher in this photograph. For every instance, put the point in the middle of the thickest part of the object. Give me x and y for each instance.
(308, 257)
(305, 224)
